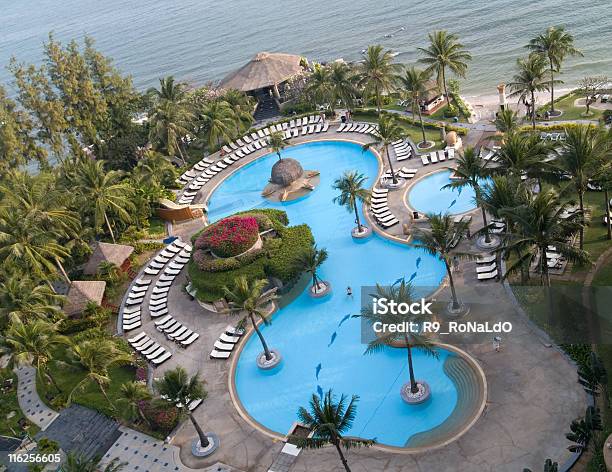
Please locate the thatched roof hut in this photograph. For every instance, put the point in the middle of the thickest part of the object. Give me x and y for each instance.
(286, 171)
(81, 293)
(116, 254)
(266, 69)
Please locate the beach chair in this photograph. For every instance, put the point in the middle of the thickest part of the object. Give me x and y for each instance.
(162, 358)
(486, 268)
(214, 354)
(390, 223)
(433, 157)
(190, 340)
(424, 159)
(325, 127)
(220, 346)
(229, 339)
(139, 337)
(233, 331)
(487, 276)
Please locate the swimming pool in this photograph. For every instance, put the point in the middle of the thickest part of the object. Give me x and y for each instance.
(428, 196)
(319, 341)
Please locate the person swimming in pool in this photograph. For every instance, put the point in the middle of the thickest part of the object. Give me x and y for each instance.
(349, 291)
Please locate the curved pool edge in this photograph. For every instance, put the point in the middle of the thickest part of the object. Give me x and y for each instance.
(414, 182)
(379, 447)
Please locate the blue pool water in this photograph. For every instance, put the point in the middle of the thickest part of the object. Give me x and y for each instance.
(321, 346)
(428, 196)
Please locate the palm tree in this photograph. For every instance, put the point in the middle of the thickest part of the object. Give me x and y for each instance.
(445, 51)
(169, 90)
(523, 155)
(179, 390)
(342, 85)
(549, 466)
(400, 293)
(351, 187)
(215, 123)
(32, 343)
(528, 80)
(242, 109)
(21, 296)
(132, 395)
(104, 193)
(593, 377)
(169, 124)
(310, 261)
(540, 222)
(80, 463)
(318, 87)
(414, 84)
(387, 132)
(249, 300)
(329, 418)
(440, 240)
(604, 179)
(96, 357)
(506, 121)
(470, 172)
(582, 431)
(155, 170)
(580, 157)
(277, 143)
(377, 73)
(555, 44)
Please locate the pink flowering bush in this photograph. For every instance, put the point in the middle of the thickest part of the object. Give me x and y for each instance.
(229, 237)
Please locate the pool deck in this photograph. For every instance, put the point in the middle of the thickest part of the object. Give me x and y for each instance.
(532, 390)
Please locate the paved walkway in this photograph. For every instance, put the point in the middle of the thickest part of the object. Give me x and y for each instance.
(30, 403)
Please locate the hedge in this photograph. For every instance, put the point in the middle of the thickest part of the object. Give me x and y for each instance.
(553, 127)
(463, 109)
(276, 259)
(413, 122)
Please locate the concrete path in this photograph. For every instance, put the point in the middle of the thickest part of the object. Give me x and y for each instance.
(30, 403)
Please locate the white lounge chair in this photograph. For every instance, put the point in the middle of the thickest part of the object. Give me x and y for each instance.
(219, 346)
(433, 157)
(131, 326)
(161, 312)
(163, 320)
(190, 340)
(229, 339)
(486, 259)
(486, 268)
(214, 354)
(156, 353)
(488, 275)
(424, 159)
(139, 337)
(160, 359)
(142, 282)
(389, 224)
(233, 331)
(152, 348)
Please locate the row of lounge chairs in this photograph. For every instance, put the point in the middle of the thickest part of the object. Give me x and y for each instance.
(224, 346)
(380, 209)
(554, 259)
(497, 226)
(149, 348)
(403, 150)
(356, 127)
(404, 173)
(489, 154)
(158, 301)
(197, 169)
(438, 156)
(176, 331)
(486, 268)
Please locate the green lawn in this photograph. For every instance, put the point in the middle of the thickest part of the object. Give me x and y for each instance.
(595, 236)
(67, 378)
(438, 115)
(9, 405)
(157, 227)
(414, 132)
(571, 112)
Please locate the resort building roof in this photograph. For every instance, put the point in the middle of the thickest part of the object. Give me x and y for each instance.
(105, 252)
(266, 69)
(81, 292)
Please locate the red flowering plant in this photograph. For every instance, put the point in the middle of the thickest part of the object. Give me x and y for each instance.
(230, 236)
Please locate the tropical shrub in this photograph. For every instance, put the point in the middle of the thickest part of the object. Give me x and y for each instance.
(230, 236)
(451, 111)
(163, 418)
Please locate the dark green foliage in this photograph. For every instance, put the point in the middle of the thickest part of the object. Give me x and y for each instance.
(584, 429)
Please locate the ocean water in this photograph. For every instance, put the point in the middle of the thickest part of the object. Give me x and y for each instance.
(200, 40)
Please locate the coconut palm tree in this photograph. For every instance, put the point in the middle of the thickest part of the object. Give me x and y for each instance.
(387, 132)
(155, 170)
(277, 143)
(32, 343)
(400, 293)
(583, 430)
(170, 124)
(414, 84)
(250, 301)
(132, 395)
(169, 90)
(529, 79)
(342, 85)
(440, 240)
(580, 157)
(352, 190)
(242, 107)
(470, 171)
(27, 299)
(215, 122)
(377, 73)
(554, 44)
(506, 121)
(541, 222)
(445, 51)
(96, 357)
(310, 261)
(318, 87)
(177, 388)
(523, 155)
(104, 193)
(24, 244)
(329, 418)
